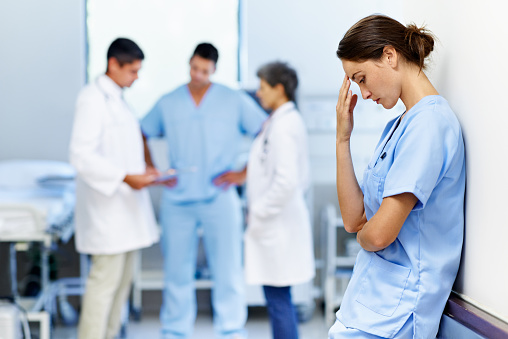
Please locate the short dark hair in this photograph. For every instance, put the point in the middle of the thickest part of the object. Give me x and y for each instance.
(207, 51)
(125, 51)
(280, 73)
(367, 39)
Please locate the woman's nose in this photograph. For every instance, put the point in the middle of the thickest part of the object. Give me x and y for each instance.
(365, 93)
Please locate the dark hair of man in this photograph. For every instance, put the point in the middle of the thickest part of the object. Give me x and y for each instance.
(208, 51)
(280, 73)
(367, 39)
(125, 51)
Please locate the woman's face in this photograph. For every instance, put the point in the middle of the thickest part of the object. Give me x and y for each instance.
(268, 95)
(377, 80)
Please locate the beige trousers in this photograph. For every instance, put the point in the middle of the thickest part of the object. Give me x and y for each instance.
(107, 289)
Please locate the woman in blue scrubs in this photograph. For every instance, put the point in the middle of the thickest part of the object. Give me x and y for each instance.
(408, 212)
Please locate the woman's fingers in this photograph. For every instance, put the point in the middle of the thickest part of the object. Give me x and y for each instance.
(344, 88)
(347, 102)
(345, 105)
(343, 94)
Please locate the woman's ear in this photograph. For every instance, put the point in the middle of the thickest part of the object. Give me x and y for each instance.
(391, 56)
(280, 89)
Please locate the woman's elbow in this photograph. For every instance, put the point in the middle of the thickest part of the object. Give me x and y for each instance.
(374, 243)
(352, 227)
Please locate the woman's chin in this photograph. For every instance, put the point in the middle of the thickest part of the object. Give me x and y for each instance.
(388, 105)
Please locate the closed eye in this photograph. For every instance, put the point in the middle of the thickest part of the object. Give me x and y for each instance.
(361, 81)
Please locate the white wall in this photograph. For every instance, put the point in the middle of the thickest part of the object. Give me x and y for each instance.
(470, 70)
(42, 68)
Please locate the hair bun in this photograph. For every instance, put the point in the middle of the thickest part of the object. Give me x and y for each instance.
(367, 39)
(420, 42)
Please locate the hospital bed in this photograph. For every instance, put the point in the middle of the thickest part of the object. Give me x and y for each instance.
(36, 206)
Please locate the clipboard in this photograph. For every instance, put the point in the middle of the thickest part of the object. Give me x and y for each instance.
(173, 172)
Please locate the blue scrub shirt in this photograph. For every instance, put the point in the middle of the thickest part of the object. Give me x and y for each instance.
(415, 274)
(205, 138)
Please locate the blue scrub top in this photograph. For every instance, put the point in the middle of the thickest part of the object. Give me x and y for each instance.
(205, 138)
(415, 274)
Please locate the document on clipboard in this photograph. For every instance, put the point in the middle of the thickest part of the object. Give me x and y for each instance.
(173, 172)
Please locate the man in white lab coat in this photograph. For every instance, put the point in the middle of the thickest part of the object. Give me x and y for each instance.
(114, 215)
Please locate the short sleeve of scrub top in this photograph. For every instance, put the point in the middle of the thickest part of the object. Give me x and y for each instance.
(251, 115)
(152, 124)
(422, 156)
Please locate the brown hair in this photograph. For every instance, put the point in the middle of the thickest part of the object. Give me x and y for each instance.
(280, 73)
(367, 38)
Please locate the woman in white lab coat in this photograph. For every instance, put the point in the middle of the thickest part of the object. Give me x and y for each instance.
(278, 239)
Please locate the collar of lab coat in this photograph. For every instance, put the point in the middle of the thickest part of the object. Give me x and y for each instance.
(109, 86)
(283, 109)
(288, 106)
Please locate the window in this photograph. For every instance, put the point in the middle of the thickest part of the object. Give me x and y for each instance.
(167, 31)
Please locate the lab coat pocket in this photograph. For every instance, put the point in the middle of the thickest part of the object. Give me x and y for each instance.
(382, 286)
(263, 230)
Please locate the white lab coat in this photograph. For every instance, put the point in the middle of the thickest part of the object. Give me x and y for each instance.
(106, 144)
(278, 238)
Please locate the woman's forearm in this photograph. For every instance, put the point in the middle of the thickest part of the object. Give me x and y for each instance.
(348, 191)
(384, 227)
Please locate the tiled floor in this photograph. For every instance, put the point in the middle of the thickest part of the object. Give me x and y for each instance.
(258, 327)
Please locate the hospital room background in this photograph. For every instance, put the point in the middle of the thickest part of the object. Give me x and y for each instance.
(51, 49)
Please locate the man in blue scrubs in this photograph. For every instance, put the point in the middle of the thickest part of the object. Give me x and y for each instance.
(203, 123)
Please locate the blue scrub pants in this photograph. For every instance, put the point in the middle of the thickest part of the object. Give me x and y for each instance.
(221, 221)
(282, 312)
(339, 331)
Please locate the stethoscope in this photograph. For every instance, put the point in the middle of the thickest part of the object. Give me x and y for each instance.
(108, 98)
(102, 90)
(269, 123)
(382, 154)
(107, 95)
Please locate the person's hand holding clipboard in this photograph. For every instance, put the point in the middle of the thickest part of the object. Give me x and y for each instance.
(169, 178)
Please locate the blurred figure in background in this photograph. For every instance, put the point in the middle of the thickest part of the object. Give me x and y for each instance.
(114, 215)
(278, 239)
(203, 123)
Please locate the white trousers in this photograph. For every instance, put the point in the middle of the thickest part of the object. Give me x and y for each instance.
(107, 289)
